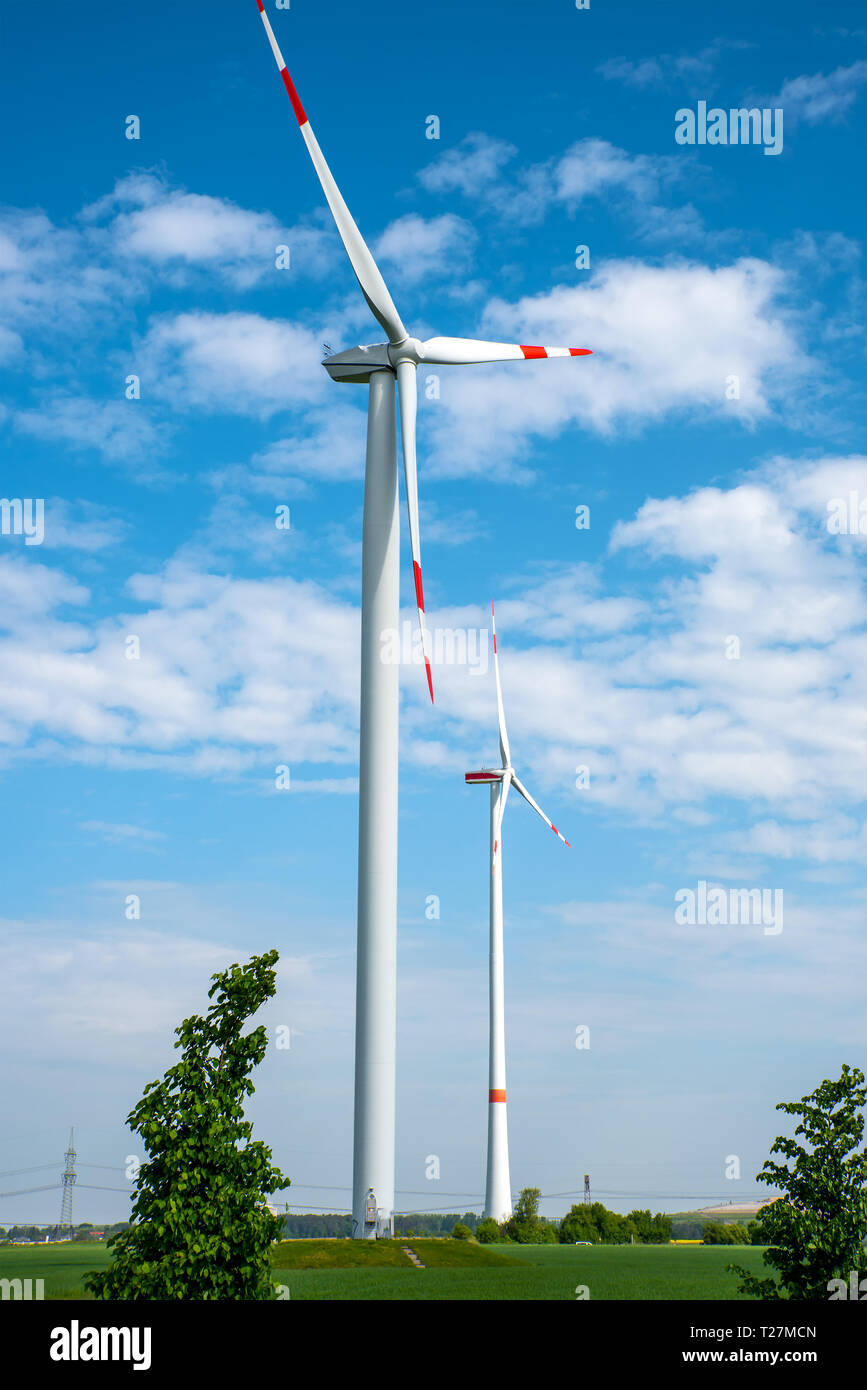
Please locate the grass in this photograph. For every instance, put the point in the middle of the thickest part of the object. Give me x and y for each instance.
(388, 1254)
(62, 1266)
(536, 1272)
(455, 1270)
(340, 1254)
(459, 1254)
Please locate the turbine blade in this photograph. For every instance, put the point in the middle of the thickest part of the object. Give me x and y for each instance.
(373, 287)
(498, 822)
(456, 352)
(408, 394)
(536, 807)
(505, 752)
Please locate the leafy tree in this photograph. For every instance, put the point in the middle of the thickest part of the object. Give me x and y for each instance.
(717, 1233)
(817, 1228)
(487, 1231)
(578, 1224)
(201, 1229)
(643, 1223)
(615, 1229)
(740, 1234)
(461, 1232)
(660, 1229)
(525, 1225)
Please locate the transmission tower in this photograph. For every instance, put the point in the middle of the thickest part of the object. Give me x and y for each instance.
(586, 1189)
(68, 1180)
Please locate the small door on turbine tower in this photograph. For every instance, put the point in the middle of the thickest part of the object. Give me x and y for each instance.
(370, 1209)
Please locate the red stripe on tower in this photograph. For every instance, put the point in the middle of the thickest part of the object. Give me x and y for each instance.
(293, 96)
(533, 351)
(497, 1095)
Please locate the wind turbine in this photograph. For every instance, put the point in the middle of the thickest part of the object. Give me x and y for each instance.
(379, 365)
(498, 1188)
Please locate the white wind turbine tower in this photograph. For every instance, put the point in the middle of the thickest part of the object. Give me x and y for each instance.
(378, 365)
(498, 1188)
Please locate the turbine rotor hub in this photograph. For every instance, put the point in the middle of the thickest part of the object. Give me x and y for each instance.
(410, 350)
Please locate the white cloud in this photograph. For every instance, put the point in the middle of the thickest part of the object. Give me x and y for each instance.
(668, 69)
(330, 444)
(50, 280)
(631, 677)
(32, 590)
(471, 168)
(232, 362)
(642, 690)
(117, 833)
(81, 525)
(634, 184)
(665, 340)
(821, 97)
(421, 248)
(90, 273)
(122, 431)
(163, 225)
(593, 168)
(231, 672)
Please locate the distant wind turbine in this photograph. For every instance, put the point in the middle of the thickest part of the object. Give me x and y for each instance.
(379, 365)
(498, 1188)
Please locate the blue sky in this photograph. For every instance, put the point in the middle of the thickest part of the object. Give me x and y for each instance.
(709, 508)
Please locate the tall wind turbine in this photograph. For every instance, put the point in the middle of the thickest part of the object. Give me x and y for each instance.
(379, 365)
(498, 1188)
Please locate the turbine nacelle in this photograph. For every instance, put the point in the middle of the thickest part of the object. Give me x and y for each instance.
(487, 775)
(357, 364)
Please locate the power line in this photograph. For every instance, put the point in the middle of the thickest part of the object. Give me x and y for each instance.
(37, 1167)
(93, 1187)
(333, 1211)
(681, 1196)
(420, 1211)
(21, 1191)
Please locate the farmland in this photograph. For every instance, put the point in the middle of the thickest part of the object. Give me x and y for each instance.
(459, 1270)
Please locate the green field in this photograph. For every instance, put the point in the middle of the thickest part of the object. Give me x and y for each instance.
(352, 1254)
(356, 1270)
(546, 1272)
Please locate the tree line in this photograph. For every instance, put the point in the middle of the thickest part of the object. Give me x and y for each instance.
(593, 1223)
